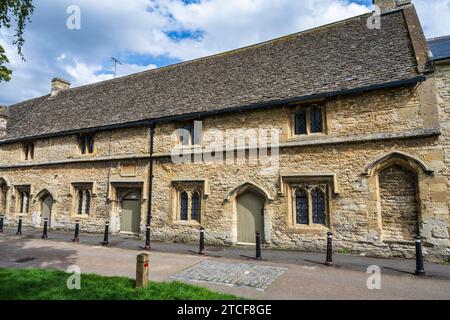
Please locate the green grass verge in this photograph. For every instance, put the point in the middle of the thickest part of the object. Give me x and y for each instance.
(38, 284)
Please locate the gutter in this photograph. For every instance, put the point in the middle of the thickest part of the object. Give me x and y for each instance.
(150, 176)
(256, 106)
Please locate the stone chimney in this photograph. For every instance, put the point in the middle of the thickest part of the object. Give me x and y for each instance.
(388, 5)
(59, 85)
(4, 115)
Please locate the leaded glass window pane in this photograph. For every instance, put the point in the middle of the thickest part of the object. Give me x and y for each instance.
(302, 207)
(80, 202)
(300, 123)
(318, 203)
(27, 202)
(195, 206)
(90, 141)
(87, 207)
(184, 206)
(316, 120)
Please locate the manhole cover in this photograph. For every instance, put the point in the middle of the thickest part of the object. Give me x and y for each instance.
(23, 260)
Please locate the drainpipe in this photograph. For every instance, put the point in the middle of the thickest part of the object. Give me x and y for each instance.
(150, 176)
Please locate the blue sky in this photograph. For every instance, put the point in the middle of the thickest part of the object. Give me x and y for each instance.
(146, 34)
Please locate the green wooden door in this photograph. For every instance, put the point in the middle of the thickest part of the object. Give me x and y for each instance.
(250, 210)
(131, 216)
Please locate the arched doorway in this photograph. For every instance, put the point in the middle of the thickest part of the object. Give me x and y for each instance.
(250, 217)
(399, 203)
(131, 213)
(46, 209)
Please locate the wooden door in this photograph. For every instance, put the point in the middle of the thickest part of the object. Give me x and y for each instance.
(131, 214)
(250, 211)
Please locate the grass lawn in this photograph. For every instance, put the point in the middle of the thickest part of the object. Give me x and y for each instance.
(37, 284)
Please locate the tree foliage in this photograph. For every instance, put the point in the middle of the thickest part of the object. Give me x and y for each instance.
(14, 14)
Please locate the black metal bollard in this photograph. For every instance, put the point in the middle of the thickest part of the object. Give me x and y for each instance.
(258, 246)
(76, 238)
(1, 223)
(419, 257)
(147, 238)
(202, 242)
(19, 227)
(45, 232)
(106, 235)
(329, 260)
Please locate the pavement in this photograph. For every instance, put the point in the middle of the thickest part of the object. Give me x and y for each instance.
(280, 275)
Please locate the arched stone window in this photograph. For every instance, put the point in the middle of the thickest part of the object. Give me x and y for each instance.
(318, 206)
(184, 198)
(83, 198)
(195, 206)
(301, 206)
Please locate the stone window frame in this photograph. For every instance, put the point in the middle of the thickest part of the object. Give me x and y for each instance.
(308, 188)
(22, 208)
(189, 188)
(288, 181)
(86, 188)
(86, 141)
(28, 151)
(307, 110)
(189, 126)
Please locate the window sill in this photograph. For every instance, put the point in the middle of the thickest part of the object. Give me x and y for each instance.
(186, 223)
(310, 136)
(23, 215)
(80, 217)
(314, 229)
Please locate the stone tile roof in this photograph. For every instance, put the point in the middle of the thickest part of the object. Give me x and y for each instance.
(440, 47)
(335, 57)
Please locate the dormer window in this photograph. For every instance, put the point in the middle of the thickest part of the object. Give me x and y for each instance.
(28, 151)
(87, 144)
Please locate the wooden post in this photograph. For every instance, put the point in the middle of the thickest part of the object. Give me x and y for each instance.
(142, 267)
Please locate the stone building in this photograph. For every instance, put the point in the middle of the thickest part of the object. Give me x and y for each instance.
(355, 118)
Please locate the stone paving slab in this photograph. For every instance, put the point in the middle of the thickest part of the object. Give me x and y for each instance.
(232, 274)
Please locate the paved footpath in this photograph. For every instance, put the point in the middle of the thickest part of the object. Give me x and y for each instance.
(281, 275)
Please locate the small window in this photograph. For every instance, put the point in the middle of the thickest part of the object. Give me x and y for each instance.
(195, 206)
(310, 203)
(190, 134)
(28, 151)
(309, 120)
(188, 205)
(184, 198)
(87, 144)
(83, 198)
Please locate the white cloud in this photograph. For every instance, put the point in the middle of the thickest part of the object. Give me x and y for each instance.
(83, 73)
(137, 28)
